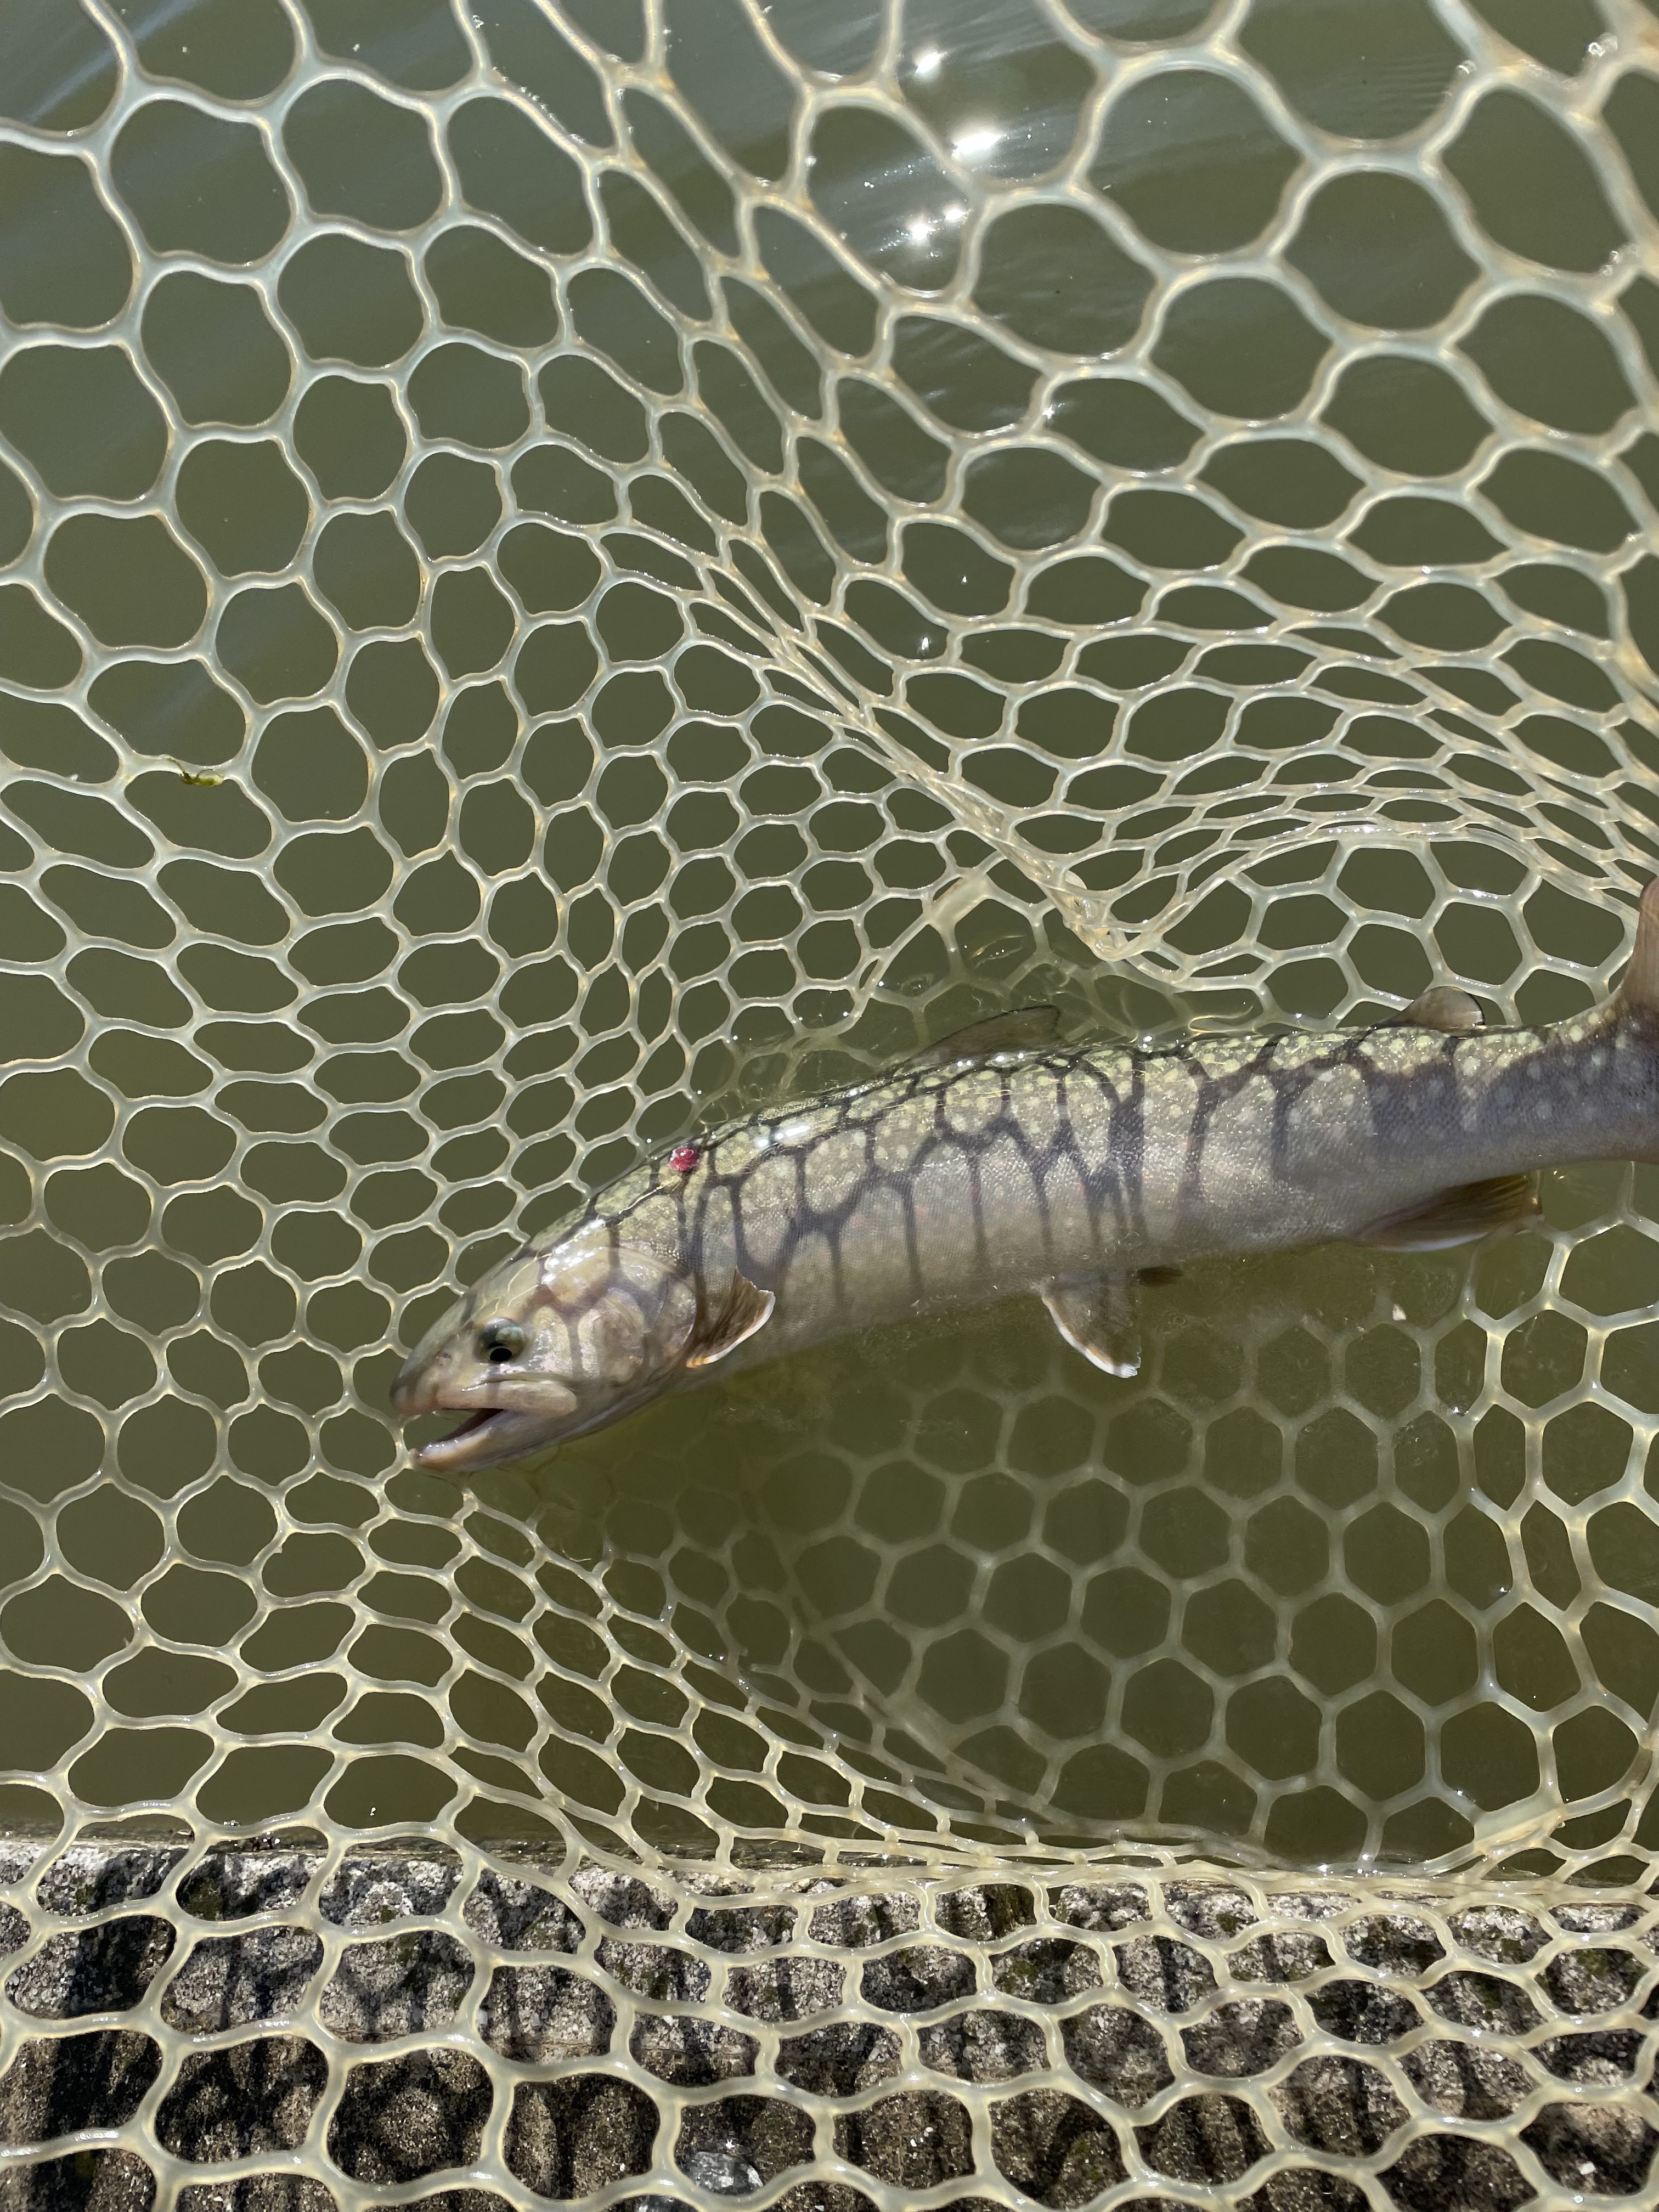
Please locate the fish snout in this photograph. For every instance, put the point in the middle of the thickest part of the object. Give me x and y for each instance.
(413, 1391)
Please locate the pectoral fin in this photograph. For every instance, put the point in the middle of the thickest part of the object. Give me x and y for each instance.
(744, 1309)
(1023, 1028)
(1442, 1006)
(1458, 1216)
(1099, 1320)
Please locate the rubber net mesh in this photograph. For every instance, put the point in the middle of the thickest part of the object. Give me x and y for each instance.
(569, 572)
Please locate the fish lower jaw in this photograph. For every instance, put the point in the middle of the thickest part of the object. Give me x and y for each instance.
(486, 1437)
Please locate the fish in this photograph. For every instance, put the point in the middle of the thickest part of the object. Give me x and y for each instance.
(1006, 1161)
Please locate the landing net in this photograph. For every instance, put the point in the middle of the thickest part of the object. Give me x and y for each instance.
(568, 571)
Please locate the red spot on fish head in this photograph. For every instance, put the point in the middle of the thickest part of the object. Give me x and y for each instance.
(685, 1157)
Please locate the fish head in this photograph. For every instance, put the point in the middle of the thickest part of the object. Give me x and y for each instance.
(546, 1345)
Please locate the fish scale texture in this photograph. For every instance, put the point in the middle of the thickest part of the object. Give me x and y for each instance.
(569, 572)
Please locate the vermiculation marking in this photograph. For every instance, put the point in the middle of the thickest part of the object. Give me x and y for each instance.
(1003, 1161)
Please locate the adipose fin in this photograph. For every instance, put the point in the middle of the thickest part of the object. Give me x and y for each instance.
(1442, 1006)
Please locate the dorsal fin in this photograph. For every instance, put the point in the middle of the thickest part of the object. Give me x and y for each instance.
(729, 1322)
(1442, 1006)
(1639, 992)
(1021, 1028)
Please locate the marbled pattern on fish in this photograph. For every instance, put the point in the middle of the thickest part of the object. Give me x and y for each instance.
(1005, 1162)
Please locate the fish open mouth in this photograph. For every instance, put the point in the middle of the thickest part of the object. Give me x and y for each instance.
(441, 1447)
(473, 1422)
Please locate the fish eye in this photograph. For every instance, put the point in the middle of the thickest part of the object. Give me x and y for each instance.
(500, 1340)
